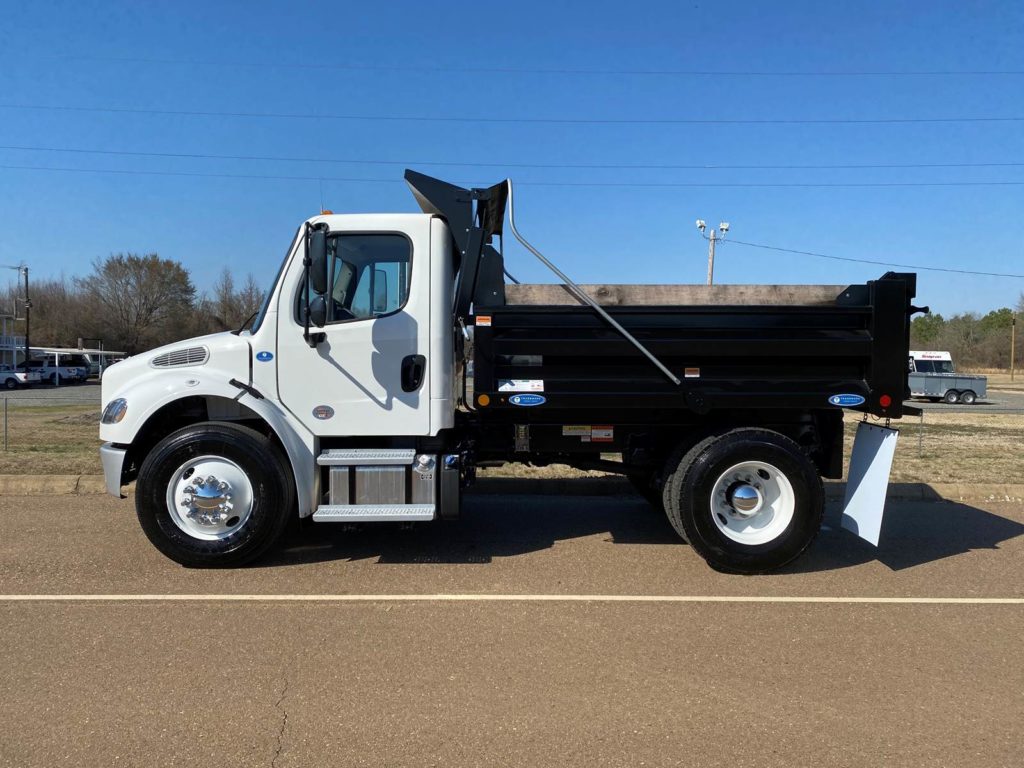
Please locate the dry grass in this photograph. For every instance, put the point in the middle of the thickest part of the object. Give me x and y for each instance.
(52, 440)
(956, 448)
(1000, 381)
(953, 447)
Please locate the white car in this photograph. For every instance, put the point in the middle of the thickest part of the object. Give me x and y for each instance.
(12, 379)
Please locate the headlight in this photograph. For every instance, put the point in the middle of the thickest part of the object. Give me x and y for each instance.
(115, 411)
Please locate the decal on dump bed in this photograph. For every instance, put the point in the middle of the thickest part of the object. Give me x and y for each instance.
(520, 385)
(527, 400)
(846, 401)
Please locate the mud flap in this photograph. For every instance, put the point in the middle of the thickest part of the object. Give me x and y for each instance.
(870, 464)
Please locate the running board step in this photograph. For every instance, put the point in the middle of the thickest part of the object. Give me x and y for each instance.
(361, 457)
(356, 513)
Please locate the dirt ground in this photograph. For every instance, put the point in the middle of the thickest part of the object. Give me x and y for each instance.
(945, 447)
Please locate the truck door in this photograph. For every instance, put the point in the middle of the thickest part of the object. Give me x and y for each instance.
(369, 375)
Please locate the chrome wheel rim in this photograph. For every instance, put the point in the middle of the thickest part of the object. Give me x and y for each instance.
(209, 497)
(752, 503)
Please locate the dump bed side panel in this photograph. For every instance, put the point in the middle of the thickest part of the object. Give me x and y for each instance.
(728, 357)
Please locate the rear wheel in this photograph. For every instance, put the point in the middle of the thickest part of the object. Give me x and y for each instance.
(749, 501)
(11, 383)
(967, 397)
(951, 397)
(214, 495)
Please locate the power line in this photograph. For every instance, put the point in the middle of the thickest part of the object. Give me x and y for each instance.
(730, 241)
(357, 67)
(593, 166)
(664, 185)
(517, 120)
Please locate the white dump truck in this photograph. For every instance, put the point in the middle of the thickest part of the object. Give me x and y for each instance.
(350, 399)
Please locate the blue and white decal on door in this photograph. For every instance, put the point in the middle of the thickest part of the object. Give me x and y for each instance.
(527, 400)
(846, 400)
(264, 356)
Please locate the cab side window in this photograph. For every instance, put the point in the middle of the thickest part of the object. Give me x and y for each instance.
(369, 276)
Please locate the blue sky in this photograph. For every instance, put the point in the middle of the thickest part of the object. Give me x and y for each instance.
(418, 59)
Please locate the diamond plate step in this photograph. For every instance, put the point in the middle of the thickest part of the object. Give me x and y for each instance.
(354, 513)
(360, 457)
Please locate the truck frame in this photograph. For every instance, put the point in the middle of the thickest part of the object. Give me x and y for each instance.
(391, 359)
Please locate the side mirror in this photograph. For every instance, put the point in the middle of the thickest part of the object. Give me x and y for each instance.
(318, 311)
(380, 291)
(318, 261)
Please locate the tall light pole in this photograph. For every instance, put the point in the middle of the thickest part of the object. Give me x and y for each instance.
(723, 227)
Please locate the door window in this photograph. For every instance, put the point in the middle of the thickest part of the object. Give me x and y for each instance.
(369, 276)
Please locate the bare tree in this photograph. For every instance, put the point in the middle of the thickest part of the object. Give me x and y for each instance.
(138, 302)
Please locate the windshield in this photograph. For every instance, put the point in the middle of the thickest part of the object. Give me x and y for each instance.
(934, 366)
(270, 291)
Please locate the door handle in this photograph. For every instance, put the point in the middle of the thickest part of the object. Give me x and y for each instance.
(413, 368)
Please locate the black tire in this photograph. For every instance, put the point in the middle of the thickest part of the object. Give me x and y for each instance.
(681, 458)
(951, 397)
(688, 500)
(257, 456)
(10, 383)
(967, 397)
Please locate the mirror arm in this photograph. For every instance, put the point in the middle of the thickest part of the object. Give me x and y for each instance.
(306, 262)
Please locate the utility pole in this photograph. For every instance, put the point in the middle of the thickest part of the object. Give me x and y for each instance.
(28, 309)
(1013, 344)
(723, 227)
(711, 258)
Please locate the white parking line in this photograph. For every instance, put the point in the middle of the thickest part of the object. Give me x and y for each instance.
(498, 598)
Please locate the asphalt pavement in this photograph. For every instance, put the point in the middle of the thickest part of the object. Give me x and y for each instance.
(537, 630)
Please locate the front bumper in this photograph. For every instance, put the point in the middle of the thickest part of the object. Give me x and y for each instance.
(112, 456)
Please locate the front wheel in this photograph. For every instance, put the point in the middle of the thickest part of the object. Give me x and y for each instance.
(749, 501)
(214, 495)
(10, 383)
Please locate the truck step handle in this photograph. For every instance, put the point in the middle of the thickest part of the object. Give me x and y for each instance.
(413, 367)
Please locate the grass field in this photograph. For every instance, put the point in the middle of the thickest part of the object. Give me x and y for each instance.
(1000, 381)
(949, 448)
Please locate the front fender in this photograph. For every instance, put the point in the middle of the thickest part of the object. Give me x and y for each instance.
(149, 395)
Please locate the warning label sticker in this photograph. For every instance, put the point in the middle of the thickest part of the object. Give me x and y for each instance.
(691, 373)
(484, 320)
(588, 433)
(520, 385)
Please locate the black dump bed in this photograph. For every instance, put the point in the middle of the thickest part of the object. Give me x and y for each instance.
(803, 356)
(806, 357)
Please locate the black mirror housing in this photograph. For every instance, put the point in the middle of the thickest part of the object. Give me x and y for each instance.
(318, 261)
(318, 311)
